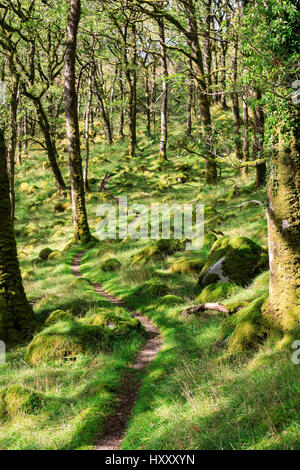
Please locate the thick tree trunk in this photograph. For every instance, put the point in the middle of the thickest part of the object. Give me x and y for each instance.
(80, 222)
(164, 104)
(259, 137)
(16, 315)
(148, 102)
(189, 103)
(284, 232)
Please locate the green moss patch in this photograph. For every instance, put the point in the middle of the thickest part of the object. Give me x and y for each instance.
(111, 264)
(158, 250)
(216, 292)
(57, 316)
(171, 300)
(15, 400)
(186, 265)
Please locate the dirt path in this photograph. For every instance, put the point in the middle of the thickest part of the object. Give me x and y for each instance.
(115, 425)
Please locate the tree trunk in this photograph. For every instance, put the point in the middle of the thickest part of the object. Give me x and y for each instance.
(164, 104)
(244, 170)
(16, 315)
(235, 106)
(80, 222)
(121, 126)
(224, 48)
(284, 231)
(87, 131)
(153, 95)
(148, 102)
(189, 104)
(211, 167)
(13, 142)
(258, 147)
(50, 144)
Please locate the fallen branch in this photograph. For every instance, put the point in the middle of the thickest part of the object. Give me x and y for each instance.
(207, 306)
(103, 182)
(246, 203)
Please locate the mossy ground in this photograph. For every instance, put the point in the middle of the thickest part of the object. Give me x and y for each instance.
(196, 395)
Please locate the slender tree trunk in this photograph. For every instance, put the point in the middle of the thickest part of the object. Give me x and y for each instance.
(284, 231)
(80, 221)
(244, 171)
(210, 164)
(153, 95)
(87, 131)
(164, 104)
(189, 104)
(13, 142)
(208, 48)
(121, 87)
(235, 107)
(16, 315)
(132, 81)
(258, 147)
(148, 101)
(224, 48)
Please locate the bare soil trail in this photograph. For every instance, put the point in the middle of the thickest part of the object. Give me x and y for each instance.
(115, 425)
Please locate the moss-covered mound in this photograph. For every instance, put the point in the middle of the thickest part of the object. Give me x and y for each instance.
(15, 400)
(158, 250)
(111, 264)
(117, 323)
(44, 253)
(231, 259)
(57, 316)
(246, 329)
(187, 265)
(171, 300)
(216, 292)
(55, 255)
(69, 338)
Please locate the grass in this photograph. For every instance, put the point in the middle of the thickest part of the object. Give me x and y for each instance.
(195, 395)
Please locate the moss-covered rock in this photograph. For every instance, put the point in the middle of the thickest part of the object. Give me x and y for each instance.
(231, 259)
(171, 300)
(57, 316)
(158, 250)
(69, 339)
(44, 253)
(15, 400)
(216, 292)
(110, 264)
(55, 255)
(187, 265)
(250, 329)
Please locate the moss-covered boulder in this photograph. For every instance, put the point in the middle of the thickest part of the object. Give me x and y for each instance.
(44, 253)
(157, 250)
(171, 300)
(58, 315)
(63, 340)
(110, 264)
(246, 329)
(115, 323)
(55, 255)
(231, 259)
(15, 400)
(216, 292)
(185, 265)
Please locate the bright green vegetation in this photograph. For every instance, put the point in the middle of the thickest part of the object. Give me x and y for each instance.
(216, 384)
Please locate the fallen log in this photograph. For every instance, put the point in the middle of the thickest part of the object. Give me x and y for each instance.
(239, 206)
(206, 306)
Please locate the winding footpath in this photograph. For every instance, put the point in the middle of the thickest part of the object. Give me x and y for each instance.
(116, 424)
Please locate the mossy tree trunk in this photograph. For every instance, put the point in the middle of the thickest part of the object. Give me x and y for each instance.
(284, 229)
(13, 141)
(80, 222)
(16, 315)
(235, 105)
(164, 103)
(259, 137)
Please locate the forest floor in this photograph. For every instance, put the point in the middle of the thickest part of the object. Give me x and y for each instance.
(194, 394)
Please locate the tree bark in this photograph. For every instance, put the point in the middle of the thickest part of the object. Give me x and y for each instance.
(13, 142)
(244, 170)
(87, 131)
(259, 137)
(80, 221)
(284, 230)
(164, 104)
(16, 315)
(235, 106)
